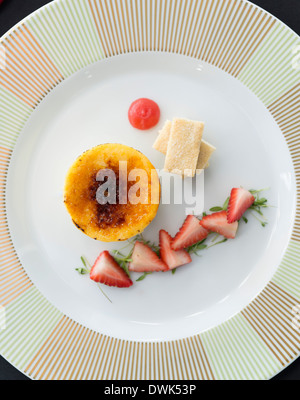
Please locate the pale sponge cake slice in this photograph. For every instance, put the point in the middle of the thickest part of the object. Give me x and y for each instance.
(184, 146)
(162, 140)
(206, 150)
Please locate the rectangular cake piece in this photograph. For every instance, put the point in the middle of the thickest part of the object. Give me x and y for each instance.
(184, 146)
(206, 151)
(162, 140)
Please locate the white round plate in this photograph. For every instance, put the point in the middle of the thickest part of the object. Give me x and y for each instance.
(233, 312)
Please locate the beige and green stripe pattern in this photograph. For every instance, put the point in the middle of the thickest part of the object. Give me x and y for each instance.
(13, 115)
(273, 62)
(232, 35)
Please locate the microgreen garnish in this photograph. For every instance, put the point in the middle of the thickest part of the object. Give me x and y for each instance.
(86, 267)
(216, 209)
(258, 204)
(142, 277)
(253, 191)
(225, 205)
(263, 223)
(84, 262)
(201, 246)
(215, 238)
(197, 247)
(220, 242)
(82, 271)
(86, 270)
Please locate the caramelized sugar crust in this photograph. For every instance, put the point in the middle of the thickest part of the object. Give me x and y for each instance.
(110, 222)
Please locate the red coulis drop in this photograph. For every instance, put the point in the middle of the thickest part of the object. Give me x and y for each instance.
(144, 114)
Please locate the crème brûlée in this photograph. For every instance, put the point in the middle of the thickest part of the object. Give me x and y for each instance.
(116, 220)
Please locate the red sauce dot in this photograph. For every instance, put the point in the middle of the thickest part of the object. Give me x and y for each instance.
(144, 114)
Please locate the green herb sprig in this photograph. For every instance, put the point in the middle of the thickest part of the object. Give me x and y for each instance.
(258, 205)
(86, 270)
(195, 248)
(142, 277)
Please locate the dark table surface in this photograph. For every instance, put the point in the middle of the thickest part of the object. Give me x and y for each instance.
(12, 11)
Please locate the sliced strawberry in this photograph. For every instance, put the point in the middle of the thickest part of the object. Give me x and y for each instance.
(172, 258)
(217, 222)
(107, 271)
(190, 233)
(240, 200)
(144, 259)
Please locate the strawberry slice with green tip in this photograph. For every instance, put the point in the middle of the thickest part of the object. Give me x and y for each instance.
(107, 271)
(239, 202)
(190, 233)
(144, 259)
(217, 222)
(172, 258)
